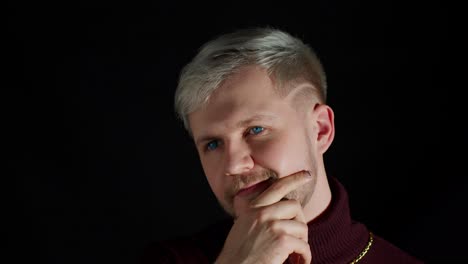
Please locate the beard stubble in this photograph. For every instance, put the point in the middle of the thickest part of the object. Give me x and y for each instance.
(303, 194)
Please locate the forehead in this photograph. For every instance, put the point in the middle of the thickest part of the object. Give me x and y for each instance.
(249, 92)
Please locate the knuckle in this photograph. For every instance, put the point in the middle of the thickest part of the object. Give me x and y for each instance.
(262, 215)
(274, 227)
(282, 240)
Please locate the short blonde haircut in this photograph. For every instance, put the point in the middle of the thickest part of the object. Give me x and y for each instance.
(286, 58)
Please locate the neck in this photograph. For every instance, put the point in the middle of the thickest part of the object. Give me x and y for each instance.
(320, 199)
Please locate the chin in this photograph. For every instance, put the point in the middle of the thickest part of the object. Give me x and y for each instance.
(227, 209)
(303, 195)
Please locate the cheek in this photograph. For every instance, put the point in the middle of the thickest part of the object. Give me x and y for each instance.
(284, 155)
(212, 175)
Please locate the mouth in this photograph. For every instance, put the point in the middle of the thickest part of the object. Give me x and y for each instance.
(255, 188)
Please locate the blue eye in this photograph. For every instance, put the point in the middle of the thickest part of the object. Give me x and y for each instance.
(212, 145)
(256, 130)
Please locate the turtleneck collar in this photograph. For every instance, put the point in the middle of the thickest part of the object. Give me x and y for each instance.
(333, 236)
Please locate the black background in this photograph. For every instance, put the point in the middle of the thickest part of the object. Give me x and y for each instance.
(101, 167)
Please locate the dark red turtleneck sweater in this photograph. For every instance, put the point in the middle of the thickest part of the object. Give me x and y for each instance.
(333, 238)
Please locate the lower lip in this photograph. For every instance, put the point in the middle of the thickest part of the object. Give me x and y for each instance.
(261, 186)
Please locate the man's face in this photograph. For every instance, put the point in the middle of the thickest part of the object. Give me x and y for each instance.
(247, 134)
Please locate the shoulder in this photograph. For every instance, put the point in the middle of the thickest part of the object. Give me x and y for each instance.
(201, 247)
(383, 252)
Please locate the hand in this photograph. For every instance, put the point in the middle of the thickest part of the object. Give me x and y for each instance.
(271, 229)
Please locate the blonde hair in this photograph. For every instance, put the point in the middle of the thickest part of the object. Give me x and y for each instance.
(286, 59)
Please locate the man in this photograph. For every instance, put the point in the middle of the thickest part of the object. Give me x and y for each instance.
(254, 103)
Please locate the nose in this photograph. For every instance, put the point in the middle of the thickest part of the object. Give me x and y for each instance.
(238, 158)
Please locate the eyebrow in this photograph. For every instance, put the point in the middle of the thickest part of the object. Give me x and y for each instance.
(242, 123)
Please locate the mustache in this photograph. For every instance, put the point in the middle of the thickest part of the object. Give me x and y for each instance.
(243, 180)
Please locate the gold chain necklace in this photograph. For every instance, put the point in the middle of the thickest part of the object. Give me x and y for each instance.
(364, 252)
(296, 257)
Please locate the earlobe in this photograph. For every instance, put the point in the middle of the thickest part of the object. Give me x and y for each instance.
(325, 124)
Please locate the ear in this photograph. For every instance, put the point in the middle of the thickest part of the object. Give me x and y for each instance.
(325, 126)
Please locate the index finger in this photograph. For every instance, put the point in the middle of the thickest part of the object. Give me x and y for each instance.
(279, 189)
